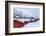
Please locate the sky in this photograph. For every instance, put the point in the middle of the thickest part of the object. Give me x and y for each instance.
(32, 12)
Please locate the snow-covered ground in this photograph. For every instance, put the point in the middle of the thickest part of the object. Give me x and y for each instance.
(32, 25)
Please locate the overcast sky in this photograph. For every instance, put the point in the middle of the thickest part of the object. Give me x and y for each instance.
(33, 12)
